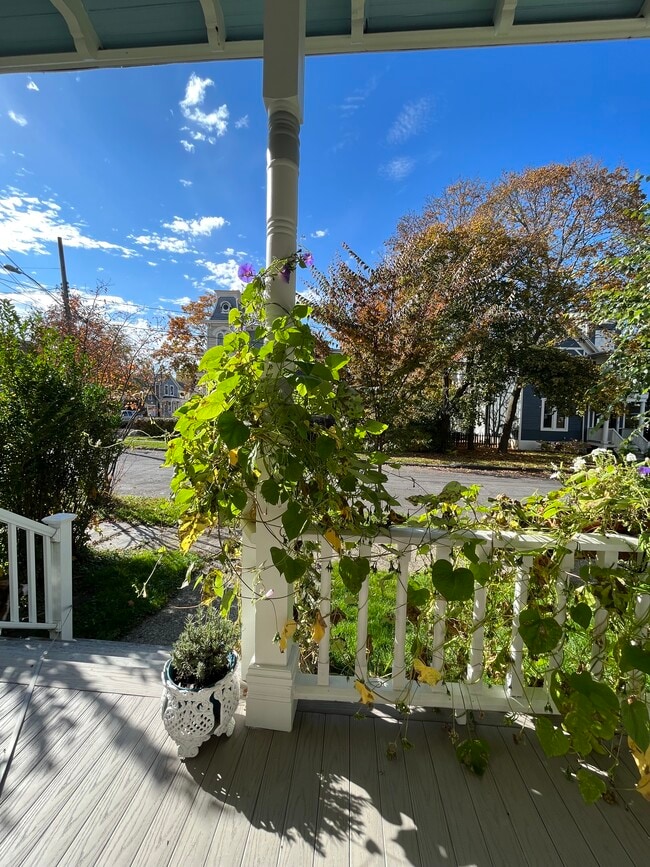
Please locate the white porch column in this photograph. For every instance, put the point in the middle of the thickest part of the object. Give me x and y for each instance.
(270, 703)
(605, 434)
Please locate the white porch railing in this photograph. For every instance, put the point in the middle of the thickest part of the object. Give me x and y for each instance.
(471, 692)
(36, 575)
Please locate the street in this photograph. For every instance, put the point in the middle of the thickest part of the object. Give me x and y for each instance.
(140, 474)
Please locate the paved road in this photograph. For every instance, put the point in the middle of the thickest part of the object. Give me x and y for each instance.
(140, 473)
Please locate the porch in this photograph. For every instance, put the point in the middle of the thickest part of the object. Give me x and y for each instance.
(96, 780)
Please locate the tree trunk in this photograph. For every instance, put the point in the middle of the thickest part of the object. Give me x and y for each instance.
(511, 414)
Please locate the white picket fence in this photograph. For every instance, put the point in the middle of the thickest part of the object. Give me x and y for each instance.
(268, 676)
(36, 579)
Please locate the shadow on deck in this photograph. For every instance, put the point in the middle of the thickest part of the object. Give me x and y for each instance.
(95, 780)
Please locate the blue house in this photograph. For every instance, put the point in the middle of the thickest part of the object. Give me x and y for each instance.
(540, 422)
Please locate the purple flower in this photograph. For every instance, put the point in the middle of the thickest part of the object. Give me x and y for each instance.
(246, 272)
(644, 471)
(285, 272)
(307, 260)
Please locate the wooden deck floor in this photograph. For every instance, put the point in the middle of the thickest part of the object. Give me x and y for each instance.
(96, 781)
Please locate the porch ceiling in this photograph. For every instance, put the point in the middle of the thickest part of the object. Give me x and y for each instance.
(78, 34)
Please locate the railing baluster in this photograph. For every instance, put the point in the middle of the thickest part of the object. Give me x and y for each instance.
(566, 566)
(476, 657)
(442, 552)
(47, 570)
(31, 576)
(361, 658)
(515, 677)
(12, 552)
(641, 616)
(399, 655)
(326, 552)
(607, 560)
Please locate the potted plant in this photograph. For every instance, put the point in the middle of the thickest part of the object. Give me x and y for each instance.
(201, 680)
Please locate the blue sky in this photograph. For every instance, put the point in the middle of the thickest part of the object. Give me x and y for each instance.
(155, 177)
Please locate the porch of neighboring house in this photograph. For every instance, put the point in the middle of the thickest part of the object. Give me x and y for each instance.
(95, 780)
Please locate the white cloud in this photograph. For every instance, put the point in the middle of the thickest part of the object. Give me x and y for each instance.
(17, 118)
(31, 85)
(398, 169)
(242, 122)
(411, 120)
(320, 233)
(184, 182)
(352, 103)
(202, 226)
(185, 299)
(189, 147)
(215, 121)
(222, 273)
(154, 241)
(28, 224)
(153, 264)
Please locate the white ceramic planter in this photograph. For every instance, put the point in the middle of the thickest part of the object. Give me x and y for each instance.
(189, 714)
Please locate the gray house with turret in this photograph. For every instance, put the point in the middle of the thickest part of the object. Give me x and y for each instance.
(218, 325)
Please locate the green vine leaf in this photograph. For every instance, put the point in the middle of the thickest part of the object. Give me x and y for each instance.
(270, 490)
(634, 715)
(581, 614)
(294, 520)
(540, 634)
(552, 740)
(353, 572)
(293, 568)
(233, 431)
(633, 656)
(592, 787)
(474, 754)
(456, 585)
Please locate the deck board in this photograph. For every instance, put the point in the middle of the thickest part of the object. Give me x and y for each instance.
(96, 781)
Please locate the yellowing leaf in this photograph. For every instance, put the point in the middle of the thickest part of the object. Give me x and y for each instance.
(642, 759)
(287, 632)
(365, 693)
(334, 540)
(190, 530)
(426, 674)
(318, 628)
(643, 786)
(233, 457)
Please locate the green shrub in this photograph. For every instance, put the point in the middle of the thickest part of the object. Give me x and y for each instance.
(151, 427)
(57, 428)
(202, 654)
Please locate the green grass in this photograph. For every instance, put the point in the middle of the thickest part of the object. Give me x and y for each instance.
(157, 443)
(151, 511)
(109, 599)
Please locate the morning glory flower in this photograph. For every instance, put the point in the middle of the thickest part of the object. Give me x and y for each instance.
(307, 259)
(246, 272)
(285, 272)
(644, 471)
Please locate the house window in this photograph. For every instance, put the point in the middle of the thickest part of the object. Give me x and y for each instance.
(220, 336)
(225, 306)
(166, 391)
(552, 419)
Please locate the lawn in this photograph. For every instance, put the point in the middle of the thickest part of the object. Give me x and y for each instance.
(156, 443)
(489, 460)
(150, 511)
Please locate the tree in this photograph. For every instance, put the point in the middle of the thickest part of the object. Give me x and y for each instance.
(561, 223)
(185, 340)
(57, 425)
(623, 300)
(117, 351)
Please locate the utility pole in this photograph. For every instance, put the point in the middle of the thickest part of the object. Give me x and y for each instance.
(65, 292)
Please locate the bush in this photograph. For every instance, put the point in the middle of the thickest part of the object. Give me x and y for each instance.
(57, 428)
(202, 654)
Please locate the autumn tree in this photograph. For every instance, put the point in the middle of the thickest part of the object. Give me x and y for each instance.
(561, 223)
(117, 349)
(185, 338)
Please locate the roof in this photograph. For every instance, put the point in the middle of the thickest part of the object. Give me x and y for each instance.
(76, 34)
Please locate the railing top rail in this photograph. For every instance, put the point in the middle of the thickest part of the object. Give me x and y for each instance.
(7, 517)
(521, 541)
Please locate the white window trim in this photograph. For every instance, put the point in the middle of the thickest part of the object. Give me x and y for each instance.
(554, 426)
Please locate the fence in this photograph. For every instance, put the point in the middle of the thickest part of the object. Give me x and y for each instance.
(462, 439)
(36, 577)
(268, 682)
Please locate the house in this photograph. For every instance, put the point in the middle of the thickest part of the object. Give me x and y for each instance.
(218, 324)
(541, 423)
(165, 396)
